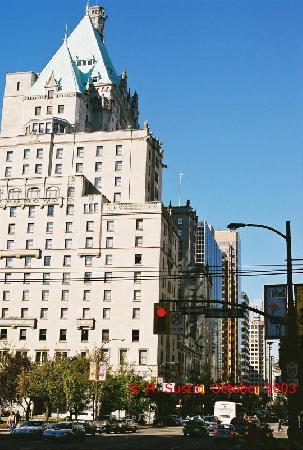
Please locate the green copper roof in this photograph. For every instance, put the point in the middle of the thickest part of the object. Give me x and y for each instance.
(81, 57)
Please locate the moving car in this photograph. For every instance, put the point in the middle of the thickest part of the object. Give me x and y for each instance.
(211, 422)
(31, 429)
(195, 428)
(65, 431)
(225, 431)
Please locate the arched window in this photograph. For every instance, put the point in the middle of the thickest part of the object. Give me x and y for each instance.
(14, 194)
(33, 193)
(71, 192)
(52, 192)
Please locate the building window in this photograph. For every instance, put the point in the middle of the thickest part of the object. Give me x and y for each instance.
(107, 296)
(71, 191)
(46, 278)
(8, 171)
(42, 334)
(108, 260)
(98, 182)
(29, 244)
(6, 296)
(25, 169)
(22, 334)
(110, 225)
(44, 295)
(50, 210)
(59, 153)
(48, 127)
(12, 228)
(79, 167)
(138, 259)
(68, 243)
(31, 211)
(138, 241)
(60, 109)
(49, 110)
(10, 244)
(98, 167)
(117, 197)
(109, 242)
(118, 181)
(65, 278)
(86, 296)
(14, 194)
(142, 357)
(48, 244)
(24, 313)
(88, 260)
(28, 261)
(40, 357)
(62, 335)
(38, 169)
(13, 211)
(9, 155)
(85, 313)
(7, 278)
(58, 169)
(89, 225)
(108, 276)
(26, 153)
(106, 313)
(99, 150)
(90, 208)
(70, 209)
(33, 193)
(50, 93)
(118, 165)
(3, 334)
(64, 296)
(64, 313)
(88, 277)
(68, 227)
(4, 313)
(67, 259)
(136, 313)
(38, 111)
(84, 335)
(118, 150)
(39, 153)
(49, 227)
(43, 313)
(135, 335)
(47, 260)
(89, 242)
(139, 224)
(137, 277)
(80, 152)
(122, 356)
(18, 86)
(105, 335)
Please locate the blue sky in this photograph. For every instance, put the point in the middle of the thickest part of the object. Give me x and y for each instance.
(221, 85)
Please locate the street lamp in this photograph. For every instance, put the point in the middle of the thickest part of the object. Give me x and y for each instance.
(269, 370)
(292, 332)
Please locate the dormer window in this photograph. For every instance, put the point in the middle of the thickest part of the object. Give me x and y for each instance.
(50, 94)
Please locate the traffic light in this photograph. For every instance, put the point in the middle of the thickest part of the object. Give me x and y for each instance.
(161, 318)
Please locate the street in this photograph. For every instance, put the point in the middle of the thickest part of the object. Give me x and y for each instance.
(168, 438)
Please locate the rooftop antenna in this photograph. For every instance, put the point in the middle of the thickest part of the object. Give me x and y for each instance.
(65, 35)
(87, 6)
(180, 187)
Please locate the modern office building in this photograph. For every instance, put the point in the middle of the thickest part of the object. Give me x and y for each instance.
(228, 242)
(209, 255)
(257, 367)
(86, 247)
(194, 285)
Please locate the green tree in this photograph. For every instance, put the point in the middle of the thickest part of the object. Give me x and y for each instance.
(11, 366)
(76, 385)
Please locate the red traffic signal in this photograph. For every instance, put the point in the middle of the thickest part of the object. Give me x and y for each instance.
(161, 318)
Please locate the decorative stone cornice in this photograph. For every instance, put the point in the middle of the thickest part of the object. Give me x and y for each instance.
(19, 253)
(23, 202)
(86, 323)
(17, 322)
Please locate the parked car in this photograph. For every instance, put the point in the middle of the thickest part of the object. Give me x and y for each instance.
(101, 422)
(114, 426)
(170, 420)
(129, 425)
(31, 429)
(240, 425)
(195, 428)
(65, 431)
(89, 426)
(225, 431)
(211, 422)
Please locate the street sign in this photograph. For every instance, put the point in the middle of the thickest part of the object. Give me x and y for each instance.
(177, 323)
(102, 371)
(291, 370)
(217, 313)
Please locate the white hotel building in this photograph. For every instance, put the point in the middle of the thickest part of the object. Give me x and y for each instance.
(85, 242)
